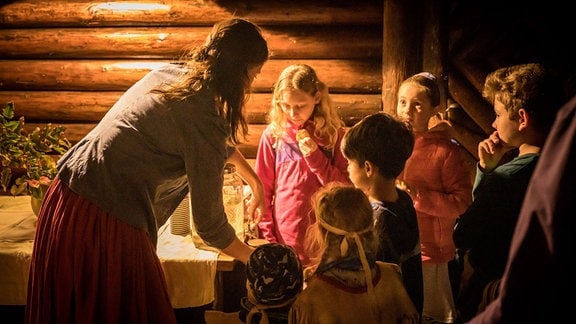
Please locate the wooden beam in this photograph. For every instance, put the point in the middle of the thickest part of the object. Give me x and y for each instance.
(89, 13)
(471, 101)
(341, 76)
(401, 48)
(90, 107)
(293, 42)
(435, 44)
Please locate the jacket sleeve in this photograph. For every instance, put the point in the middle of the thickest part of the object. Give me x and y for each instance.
(329, 168)
(265, 167)
(456, 181)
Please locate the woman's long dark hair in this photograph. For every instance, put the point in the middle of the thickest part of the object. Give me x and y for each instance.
(221, 65)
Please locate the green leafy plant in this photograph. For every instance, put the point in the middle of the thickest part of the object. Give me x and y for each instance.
(28, 158)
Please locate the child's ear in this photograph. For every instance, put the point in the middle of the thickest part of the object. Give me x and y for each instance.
(369, 168)
(523, 119)
(317, 97)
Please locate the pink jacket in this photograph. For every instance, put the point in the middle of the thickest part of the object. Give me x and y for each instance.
(440, 174)
(290, 180)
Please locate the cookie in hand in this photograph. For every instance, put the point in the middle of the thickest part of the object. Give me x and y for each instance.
(301, 134)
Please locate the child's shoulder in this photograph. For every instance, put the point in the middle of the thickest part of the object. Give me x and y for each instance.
(388, 268)
(441, 136)
(442, 130)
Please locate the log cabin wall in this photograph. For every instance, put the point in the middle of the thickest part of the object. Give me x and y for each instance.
(67, 62)
(462, 41)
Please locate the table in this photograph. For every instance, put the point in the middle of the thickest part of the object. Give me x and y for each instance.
(17, 227)
(193, 276)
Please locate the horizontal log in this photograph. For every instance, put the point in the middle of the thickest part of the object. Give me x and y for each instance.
(293, 42)
(468, 139)
(75, 132)
(352, 76)
(34, 13)
(88, 107)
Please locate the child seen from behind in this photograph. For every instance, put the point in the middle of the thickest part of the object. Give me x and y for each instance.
(274, 278)
(377, 148)
(348, 285)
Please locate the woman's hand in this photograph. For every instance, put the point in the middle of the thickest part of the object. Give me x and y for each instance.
(255, 204)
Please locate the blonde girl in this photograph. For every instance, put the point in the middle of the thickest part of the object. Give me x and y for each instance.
(348, 285)
(298, 153)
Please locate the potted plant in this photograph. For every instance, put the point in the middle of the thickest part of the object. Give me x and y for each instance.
(28, 159)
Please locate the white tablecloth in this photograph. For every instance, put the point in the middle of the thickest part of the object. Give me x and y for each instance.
(190, 272)
(17, 226)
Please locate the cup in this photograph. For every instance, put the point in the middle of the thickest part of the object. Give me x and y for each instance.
(180, 218)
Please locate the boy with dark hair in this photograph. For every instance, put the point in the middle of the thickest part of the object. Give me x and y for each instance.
(377, 148)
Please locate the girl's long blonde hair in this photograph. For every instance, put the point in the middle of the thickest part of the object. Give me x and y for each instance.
(344, 207)
(303, 77)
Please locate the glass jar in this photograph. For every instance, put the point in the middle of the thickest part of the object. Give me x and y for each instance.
(233, 196)
(180, 218)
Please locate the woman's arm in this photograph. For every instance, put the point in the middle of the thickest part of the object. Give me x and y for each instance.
(256, 202)
(238, 250)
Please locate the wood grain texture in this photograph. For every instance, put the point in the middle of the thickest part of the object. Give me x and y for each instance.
(67, 62)
(170, 42)
(70, 60)
(89, 107)
(341, 76)
(49, 13)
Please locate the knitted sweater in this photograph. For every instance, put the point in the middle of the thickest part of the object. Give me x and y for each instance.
(146, 154)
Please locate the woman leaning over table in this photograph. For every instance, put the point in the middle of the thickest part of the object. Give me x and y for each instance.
(94, 257)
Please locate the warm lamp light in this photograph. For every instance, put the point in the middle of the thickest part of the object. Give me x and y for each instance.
(134, 66)
(126, 7)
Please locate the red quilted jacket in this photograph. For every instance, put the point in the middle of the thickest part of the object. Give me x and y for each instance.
(439, 176)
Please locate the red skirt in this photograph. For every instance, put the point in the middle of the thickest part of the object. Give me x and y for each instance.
(89, 267)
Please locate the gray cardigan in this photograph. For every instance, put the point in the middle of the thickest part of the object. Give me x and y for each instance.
(139, 161)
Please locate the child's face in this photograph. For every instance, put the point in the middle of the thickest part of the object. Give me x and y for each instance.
(357, 175)
(506, 127)
(298, 105)
(414, 106)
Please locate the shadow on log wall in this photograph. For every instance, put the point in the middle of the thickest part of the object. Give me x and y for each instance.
(484, 36)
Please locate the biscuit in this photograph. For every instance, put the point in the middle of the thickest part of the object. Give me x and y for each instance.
(302, 134)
